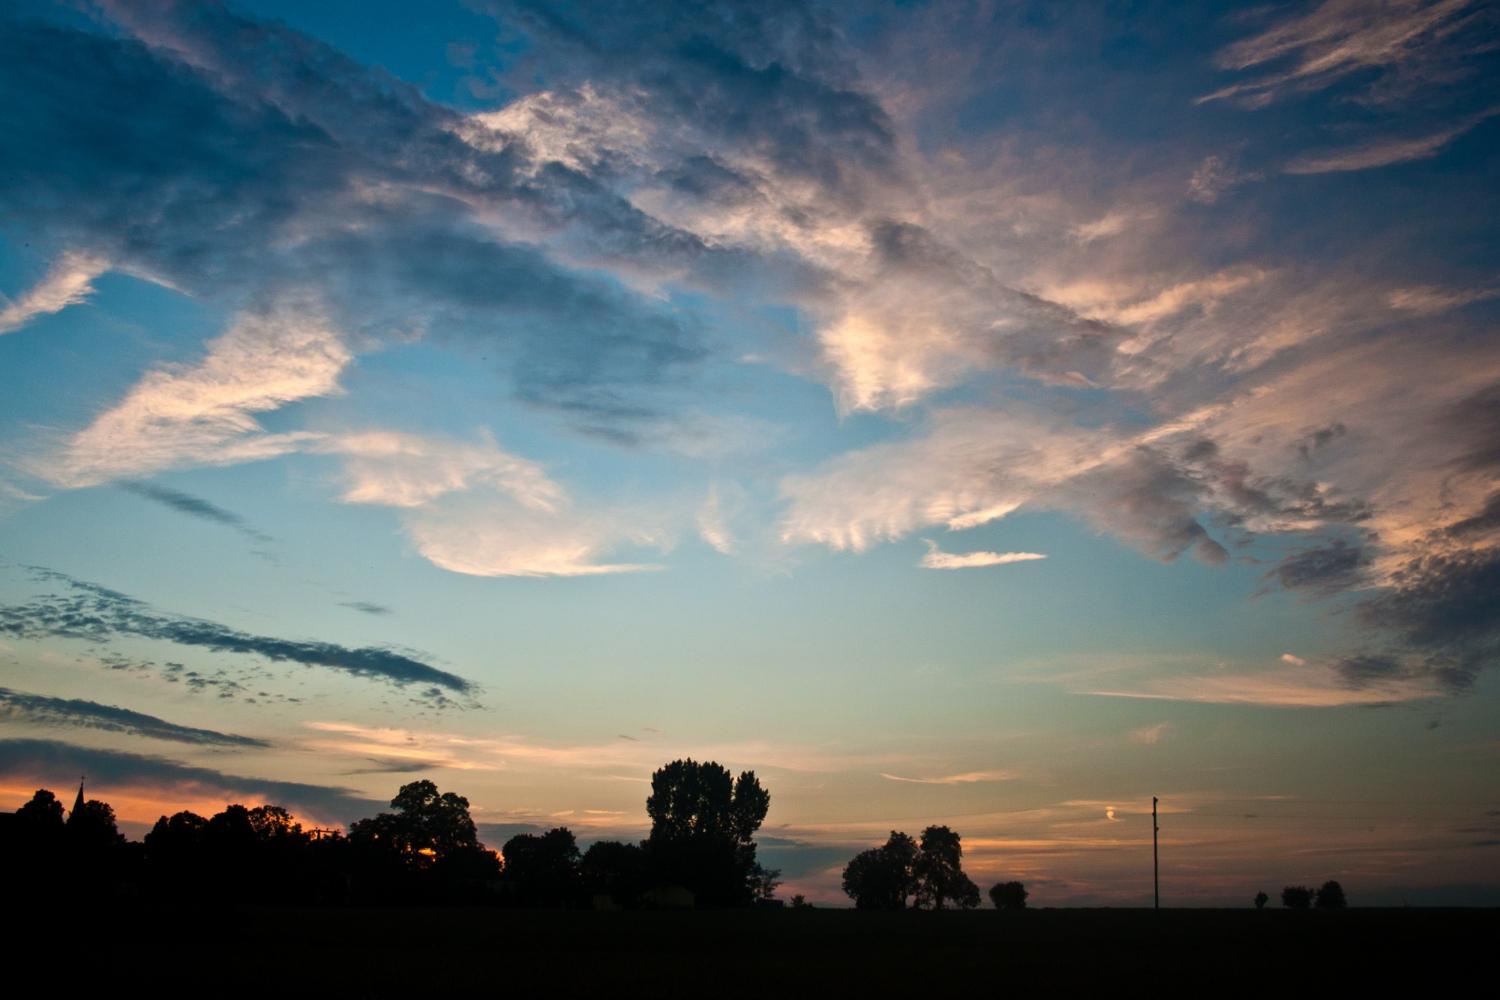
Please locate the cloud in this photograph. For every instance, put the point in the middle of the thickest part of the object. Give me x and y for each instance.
(97, 614)
(479, 536)
(1341, 37)
(967, 778)
(936, 559)
(205, 413)
(1201, 294)
(195, 507)
(478, 510)
(714, 515)
(44, 762)
(1214, 177)
(367, 607)
(1325, 686)
(35, 709)
(1328, 570)
(392, 469)
(1149, 736)
(1440, 606)
(1384, 152)
(316, 173)
(68, 282)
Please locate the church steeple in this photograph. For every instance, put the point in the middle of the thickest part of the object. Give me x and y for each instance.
(77, 803)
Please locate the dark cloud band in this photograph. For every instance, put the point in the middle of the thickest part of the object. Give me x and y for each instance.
(19, 706)
(98, 614)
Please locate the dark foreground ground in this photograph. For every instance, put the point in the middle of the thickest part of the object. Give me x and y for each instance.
(454, 952)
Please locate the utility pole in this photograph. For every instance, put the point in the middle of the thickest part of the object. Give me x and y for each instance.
(1155, 858)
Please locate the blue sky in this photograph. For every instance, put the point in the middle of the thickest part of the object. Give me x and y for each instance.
(985, 414)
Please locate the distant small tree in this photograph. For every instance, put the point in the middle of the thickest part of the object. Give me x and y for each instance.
(799, 902)
(1008, 895)
(1296, 897)
(763, 881)
(1331, 896)
(1261, 899)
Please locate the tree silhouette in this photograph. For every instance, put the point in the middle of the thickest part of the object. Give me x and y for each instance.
(939, 871)
(92, 826)
(614, 869)
(883, 878)
(42, 815)
(703, 826)
(542, 870)
(1261, 899)
(1296, 897)
(1008, 895)
(426, 827)
(1331, 896)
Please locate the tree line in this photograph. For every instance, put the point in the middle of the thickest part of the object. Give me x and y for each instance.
(700, 851)
(1328, 896)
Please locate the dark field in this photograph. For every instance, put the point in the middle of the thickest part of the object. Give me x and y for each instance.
(489, 952)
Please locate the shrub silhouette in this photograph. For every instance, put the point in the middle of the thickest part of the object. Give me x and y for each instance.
(1331, 896)
(1008, 895)
(1296, 897)
(1261, 899)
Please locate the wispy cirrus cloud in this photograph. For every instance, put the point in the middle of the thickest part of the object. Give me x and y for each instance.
(966, 778)
(1338, 38)
(68, 282)
(1385, 152)
(938, 559)
(206, 413)
(1302, 686)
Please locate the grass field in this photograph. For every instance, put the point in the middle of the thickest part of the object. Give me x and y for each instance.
(488, 952)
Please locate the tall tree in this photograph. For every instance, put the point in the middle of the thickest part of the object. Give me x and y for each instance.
(703, 825)
(940, 871)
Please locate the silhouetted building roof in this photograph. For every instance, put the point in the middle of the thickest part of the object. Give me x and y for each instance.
(77, 803)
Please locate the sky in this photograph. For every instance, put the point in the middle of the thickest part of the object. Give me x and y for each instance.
(988, 414)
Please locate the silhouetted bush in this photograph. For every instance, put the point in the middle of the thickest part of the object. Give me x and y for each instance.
(1261, 899)
(1296, 897)
(1331, 896)
(1008, 895)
